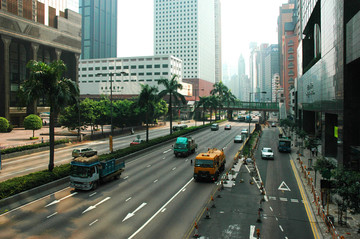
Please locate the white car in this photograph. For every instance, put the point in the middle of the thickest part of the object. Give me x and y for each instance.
(267, 153)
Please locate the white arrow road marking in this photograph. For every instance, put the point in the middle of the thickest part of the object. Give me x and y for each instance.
(128, 199)
(252, 231)
(133, 213)
(284, 187)
(167, 151)
(57, 201)
(97, 204)
(164, 206)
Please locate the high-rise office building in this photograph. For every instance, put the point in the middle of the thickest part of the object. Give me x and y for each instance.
(190, 30)
(99, 29)
(41, 30)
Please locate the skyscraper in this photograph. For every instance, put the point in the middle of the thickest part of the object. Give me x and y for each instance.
(40, 30)
(99, 29)
(190, 30)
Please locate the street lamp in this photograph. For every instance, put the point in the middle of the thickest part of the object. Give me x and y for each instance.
(262, 92)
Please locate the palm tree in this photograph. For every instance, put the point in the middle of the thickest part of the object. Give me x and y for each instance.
(147, 99)
(47, 81)
(205, 103)
(214, 103)
(229, 98)
(219, 89)
(171, 89)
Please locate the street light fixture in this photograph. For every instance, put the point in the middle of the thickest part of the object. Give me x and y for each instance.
(262, 92)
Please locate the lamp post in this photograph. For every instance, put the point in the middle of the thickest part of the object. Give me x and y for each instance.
(262, 92)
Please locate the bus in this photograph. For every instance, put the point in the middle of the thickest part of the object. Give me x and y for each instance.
(179, 127)
(284, 145)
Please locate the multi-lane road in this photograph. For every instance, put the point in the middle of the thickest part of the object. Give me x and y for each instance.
(156, 197)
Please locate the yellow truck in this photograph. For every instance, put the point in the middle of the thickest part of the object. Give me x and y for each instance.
(209, 165)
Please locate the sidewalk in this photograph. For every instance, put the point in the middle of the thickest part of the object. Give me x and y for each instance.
(313, 191)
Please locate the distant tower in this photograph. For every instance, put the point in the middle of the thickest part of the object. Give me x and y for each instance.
(191, 32)
(99, 29)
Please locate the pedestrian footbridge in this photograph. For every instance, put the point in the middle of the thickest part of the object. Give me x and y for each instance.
(252, 106)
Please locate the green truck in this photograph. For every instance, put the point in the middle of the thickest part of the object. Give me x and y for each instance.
(184, 146)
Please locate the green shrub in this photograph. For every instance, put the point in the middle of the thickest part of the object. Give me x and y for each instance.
(10, 128)
(32, 122)
(20, 184)
(4, 124)
(32, 146)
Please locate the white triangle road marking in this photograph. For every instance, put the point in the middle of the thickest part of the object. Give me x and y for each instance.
(284, 187)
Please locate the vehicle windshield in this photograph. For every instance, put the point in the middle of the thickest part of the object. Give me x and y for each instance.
(180, 146)
(268, 150)
(204, 163)
(285, 143)
(81, 172)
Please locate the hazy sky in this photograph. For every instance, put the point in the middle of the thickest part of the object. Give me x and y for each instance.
(243, 21)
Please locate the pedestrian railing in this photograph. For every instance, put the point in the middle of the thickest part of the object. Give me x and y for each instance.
(318, 203)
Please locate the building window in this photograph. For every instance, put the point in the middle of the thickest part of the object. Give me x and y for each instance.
(97, 68)
(104, 68)
(165, 66)
(141, 66)
(133, 67)
(148, 66)
(118, 67)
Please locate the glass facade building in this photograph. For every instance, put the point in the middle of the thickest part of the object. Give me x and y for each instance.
(327, 87)
(99, 29)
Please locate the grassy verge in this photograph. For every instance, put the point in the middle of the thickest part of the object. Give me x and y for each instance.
(32, 146)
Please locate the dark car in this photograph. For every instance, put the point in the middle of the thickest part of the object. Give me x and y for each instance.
(214, 127)
(227, 127)
(136, 142)
(238, 139)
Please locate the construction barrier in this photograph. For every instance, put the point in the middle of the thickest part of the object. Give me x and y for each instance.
(318, 204)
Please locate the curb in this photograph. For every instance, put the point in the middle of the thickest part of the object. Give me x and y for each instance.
(28, 196)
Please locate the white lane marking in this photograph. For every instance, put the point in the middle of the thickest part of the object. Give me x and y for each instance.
(52, 215)
(57, 201)
(284, 187)
(294, 200)
(184, 190)
(148, 166)
(167, 151)
(286, 238)
(276, 219)
(128, 199)
(186, 160)
(97, 204)
(92, 194)
(173, 168)
(156, 180)
(271, 209)
(252, 231)
(13, 210)
(163, 157)
(133, 213)
(153, 216)
(126, 177)
(281, 228)
(272, 198)
(283, 199)
(93, 222)
(266, 198)
(163, 210)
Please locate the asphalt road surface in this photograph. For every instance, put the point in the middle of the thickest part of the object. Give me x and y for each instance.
(156, 197)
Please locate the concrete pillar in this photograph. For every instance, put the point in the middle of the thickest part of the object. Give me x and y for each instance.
(31, 108)
(6, 98)
(58, 54)
(77, 57)
(35, 49)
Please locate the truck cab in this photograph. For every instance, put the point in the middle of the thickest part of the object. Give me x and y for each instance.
(209, 165)
(184, 146)
(84, 177)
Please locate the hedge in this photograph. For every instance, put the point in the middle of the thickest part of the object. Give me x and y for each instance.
(32, 146)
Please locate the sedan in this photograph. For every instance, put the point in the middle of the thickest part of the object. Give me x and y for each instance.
(267, 153)
(227, 127)
(238, 139)
(136, 142)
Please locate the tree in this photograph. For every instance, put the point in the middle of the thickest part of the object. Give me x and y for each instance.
(32, 122)
(205, 103)
(347, 186)
(221, 90)
(4, 124)
(228, 99)
(46, 81)
(214, 103)
(147, 99)
(171, 88)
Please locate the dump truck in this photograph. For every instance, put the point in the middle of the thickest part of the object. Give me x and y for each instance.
(209, 165)
(184, 146)
(88, 172)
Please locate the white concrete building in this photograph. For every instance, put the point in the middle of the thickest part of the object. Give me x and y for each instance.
(129, 74)
(187, 30)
